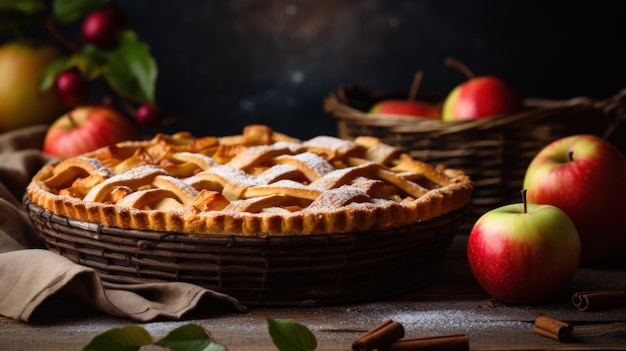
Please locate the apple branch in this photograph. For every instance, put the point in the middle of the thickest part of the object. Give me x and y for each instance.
(48, 23)
(570, 155)
(524, 201)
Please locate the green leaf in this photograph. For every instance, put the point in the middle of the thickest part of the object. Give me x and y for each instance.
(50, 74)
(11, 19)
(128, 338)
(90, 61)
(25, 6)
(130, 69)
(66, 11)
(189, 337)
(291, 336)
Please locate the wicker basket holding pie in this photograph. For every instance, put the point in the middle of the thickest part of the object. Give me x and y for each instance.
(266, 218)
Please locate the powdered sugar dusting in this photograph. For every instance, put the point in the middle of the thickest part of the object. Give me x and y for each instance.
(338, 197)
(315, 162)
(336, 145)
(138, 173)
(235, 175)
(275, 172)
(204, 161)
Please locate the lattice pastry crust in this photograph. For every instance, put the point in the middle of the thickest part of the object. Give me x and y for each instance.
(258, 183)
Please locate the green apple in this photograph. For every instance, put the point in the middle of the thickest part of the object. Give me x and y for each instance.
(22, 103)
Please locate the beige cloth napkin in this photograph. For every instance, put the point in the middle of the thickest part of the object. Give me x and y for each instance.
(33, 279)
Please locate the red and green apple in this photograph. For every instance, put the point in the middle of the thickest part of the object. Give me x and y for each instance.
(523, 254)
(87, 128)
(406, 108)
(585, 176)
(481, 97)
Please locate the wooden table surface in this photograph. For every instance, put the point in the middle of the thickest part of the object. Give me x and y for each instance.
(452, 304)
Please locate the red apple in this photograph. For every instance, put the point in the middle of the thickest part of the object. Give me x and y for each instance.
(585, 176)
(407, 108)
(87, 128)
(22, 103)
(481, 97)
(523, 254)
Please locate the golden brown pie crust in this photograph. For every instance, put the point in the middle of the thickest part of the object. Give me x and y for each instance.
(258, 183)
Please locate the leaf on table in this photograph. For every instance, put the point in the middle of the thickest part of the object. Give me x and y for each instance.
(129, 338)
(189, 337)
(291, 336)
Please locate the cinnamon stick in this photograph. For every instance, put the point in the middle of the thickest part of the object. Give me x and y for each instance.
(458, 342)
(552, 328)
(381, 335)
(599, 299)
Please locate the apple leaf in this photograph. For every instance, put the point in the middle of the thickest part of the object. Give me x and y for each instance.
(90, 61)
(130, 69)
(130, 338)
(24, 6)
(66, 11)
(17, 14)
(291, 336)
(49, 75)
(189, 337)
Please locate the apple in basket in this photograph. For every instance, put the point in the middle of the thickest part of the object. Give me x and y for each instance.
(585, 176)
(480, 97)
(410, 107)
(406, 108)
(523, 254)
(87, 128)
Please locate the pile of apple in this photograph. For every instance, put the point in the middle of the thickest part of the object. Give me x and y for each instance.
(477, 97)
(51, 84)
(574, 213)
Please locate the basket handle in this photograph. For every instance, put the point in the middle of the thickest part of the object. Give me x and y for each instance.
(614, 109)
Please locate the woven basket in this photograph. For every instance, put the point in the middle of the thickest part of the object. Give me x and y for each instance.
(494, 152)
(271, 271)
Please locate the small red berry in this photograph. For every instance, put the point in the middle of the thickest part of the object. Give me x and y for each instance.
(101, 27)
(149, 116)
(72, 89)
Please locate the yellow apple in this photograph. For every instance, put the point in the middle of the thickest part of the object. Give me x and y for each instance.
(21, 102)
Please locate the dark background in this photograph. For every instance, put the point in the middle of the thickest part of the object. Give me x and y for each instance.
(225, 64)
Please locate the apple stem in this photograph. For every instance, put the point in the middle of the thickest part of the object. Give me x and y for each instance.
(72, 120)
(524, 201)
(570, 156)
(417, 80)
(452, 62)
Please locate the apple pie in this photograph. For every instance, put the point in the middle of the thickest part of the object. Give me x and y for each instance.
(259, 183)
